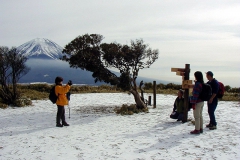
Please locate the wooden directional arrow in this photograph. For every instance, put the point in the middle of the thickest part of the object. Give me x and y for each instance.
(187, 82)
(179, 73)
(177, 69)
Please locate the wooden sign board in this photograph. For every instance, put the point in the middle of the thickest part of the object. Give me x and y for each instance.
(179, 73)
(184, 86)
(187, 82)
(190, 85)
(177, 69)
(187, 86)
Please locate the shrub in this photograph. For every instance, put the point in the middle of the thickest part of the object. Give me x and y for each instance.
(36, 87)
(23, 102)
(129, 110)
(3, 105)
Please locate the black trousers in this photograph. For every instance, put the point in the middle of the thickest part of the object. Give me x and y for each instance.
(60, 114)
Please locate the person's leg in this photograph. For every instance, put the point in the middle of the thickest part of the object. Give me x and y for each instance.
(212, 108)
(64, 123)
(201, 118)
(174, 116)
(59, 115)
(180, 117)
(211, 112)
(63, 115)
(197, 116)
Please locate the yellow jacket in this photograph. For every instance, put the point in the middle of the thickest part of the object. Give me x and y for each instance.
(61, 91)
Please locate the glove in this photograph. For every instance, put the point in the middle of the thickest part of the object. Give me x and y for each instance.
(69, 82)
(193, 106)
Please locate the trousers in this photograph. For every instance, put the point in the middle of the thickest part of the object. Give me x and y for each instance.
(197, 113)
(211, 111)
(60, 114)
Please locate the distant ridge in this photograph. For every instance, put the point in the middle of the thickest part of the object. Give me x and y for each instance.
(41, 48)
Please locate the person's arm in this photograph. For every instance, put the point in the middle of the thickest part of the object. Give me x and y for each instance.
(174, 106)
(62, 90)
(215, 89)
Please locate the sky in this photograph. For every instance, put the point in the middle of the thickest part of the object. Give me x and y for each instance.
(204, 34)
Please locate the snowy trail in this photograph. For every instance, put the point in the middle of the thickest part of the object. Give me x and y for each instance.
(30, 132)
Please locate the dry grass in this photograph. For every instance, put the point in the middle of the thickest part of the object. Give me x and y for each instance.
(41, 91)
(230, 97)
(129, 110)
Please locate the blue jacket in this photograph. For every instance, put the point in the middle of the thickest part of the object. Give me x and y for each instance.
(215, 86)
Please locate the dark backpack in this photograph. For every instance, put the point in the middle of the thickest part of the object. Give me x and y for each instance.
(221, 90)
(52, 96)
(206, 93)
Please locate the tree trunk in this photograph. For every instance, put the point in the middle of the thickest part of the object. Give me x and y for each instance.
(139, 103)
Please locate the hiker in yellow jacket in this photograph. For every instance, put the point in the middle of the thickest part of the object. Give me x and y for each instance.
(62, 100)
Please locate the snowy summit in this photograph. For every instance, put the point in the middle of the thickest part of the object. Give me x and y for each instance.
(41, 48)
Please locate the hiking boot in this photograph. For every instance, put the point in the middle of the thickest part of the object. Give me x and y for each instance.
(195, 132)
(65, 124)
(59, 125)
(201, 130)
(213, 127)
(209, 125)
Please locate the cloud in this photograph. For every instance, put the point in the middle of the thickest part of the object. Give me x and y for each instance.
(203, 33)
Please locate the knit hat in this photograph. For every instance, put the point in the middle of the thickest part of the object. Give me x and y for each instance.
(58, 80)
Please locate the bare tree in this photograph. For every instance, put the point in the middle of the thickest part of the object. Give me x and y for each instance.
(12, 68)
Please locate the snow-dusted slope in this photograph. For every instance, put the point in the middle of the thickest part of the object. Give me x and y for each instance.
(95, 132)
(41, 48)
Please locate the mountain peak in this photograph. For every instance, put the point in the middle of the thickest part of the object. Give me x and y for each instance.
(41, 48)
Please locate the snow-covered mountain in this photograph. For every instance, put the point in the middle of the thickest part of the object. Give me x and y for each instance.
(43, 59)
(41, 48)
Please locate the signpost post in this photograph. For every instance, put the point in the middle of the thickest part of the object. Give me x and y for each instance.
(154, 94)
(186, 84)
(186, 93)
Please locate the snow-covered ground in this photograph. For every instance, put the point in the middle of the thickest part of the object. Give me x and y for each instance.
(95, 132)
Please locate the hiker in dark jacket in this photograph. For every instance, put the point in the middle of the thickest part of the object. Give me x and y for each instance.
(178, 107)
(197, 103)
(213, 102)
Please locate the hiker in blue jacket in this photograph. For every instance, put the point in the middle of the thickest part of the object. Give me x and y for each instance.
(213, 102)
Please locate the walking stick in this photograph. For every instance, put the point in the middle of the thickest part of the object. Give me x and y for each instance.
(68, 97)
(69, 111)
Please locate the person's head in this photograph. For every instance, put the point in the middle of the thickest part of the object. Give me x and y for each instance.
(209, 75)
(180, 93)
(198, 76)
(58, 80)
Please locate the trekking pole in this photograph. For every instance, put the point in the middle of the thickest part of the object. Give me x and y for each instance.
(68, 97)
(69, 111)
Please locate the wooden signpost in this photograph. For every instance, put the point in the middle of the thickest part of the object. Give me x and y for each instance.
(186, 85)
(154, 94)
